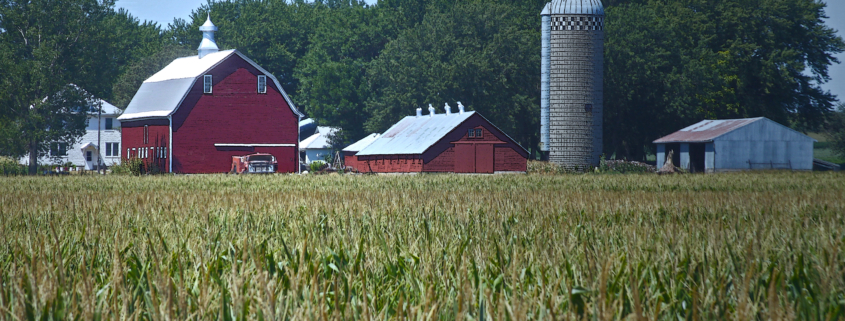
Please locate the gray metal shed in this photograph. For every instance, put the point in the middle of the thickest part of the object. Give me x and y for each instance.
(737, 144)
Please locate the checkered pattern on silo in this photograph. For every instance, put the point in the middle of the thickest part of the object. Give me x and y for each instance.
(575, 98)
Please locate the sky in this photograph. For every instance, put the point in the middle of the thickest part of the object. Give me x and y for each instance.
(164, 11)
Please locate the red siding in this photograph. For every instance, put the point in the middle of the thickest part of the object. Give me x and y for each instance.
(389, 164)
(508, 160)
(456, 152)
(233, 114)
(132, 140)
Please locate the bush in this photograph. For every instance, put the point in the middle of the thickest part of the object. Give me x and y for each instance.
(133, 166)
(10, 167)
(317, 166)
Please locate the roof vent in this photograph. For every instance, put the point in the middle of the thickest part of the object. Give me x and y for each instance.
(460, 108)
(448, 109)
(419, 112)
(430, 111)
(207, 45)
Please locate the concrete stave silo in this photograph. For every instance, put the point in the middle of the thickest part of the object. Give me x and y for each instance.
(572, 74)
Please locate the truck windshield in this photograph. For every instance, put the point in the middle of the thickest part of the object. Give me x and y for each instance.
(261, 158)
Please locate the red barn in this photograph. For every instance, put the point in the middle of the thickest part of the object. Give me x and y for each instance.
(464, 142)
(199, 111)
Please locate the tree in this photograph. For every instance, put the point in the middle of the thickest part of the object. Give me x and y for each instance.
(835, 130)
(671, 63)
(484, 54)
(333, 72)
(48, 46)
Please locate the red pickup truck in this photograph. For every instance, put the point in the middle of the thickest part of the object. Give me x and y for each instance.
(253, 164)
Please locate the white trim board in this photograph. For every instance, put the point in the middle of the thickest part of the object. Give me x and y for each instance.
(254, 145)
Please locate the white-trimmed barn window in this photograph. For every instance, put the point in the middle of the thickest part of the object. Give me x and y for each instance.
(206, 84)
(262, 84)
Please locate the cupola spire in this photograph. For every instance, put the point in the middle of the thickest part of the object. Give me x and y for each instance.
(207, 45)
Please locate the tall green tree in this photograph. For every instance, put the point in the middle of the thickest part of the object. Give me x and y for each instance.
(58, 53)
(333, 72)
(671, 63)
(484, 54)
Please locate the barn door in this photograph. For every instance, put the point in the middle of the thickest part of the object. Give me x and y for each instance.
(484, 158)
(464, 158)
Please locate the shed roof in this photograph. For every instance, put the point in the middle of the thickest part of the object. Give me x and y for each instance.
(161, 94)
(363, 143)
(709, 129)
(415, 134)
(320, 139)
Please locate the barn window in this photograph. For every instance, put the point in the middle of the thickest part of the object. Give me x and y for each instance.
(478, 133)
(471, 133)
(262, 84)
(206, 84)
(146, 134)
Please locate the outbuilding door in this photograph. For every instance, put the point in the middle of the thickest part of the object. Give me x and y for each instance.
(484, 158)
(464, 158)
(474, 158)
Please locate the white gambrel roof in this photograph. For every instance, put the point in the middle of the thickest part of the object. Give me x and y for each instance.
(590, 7)
(161, 94)
(415, 134)
(363, 143)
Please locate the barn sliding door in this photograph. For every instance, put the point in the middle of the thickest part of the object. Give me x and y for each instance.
(484, 158)
(464, 158)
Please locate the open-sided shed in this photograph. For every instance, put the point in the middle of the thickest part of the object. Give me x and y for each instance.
(737, 144)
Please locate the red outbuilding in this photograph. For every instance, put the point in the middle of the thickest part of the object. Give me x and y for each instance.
(199, 111)
(463, 142)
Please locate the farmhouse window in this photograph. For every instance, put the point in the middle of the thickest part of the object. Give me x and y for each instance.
(146, 134)
(109, 123)
(88, 156)
(58, 149)
(262, 84)
(206, 84)
(112, 149)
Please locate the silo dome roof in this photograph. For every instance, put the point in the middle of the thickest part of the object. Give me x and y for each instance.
(591, 7)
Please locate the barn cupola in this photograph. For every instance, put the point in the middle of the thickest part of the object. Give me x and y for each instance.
(207, 45)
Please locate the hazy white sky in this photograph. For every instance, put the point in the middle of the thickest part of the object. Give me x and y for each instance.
(163, 12)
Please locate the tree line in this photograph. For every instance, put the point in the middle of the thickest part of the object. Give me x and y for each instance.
(668, 63)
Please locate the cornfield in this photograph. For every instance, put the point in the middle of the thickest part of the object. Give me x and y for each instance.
(503, 247)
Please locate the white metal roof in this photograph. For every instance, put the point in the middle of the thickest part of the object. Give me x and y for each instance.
(591, 7)
(415, 134)
(319, 140)
(363, 143)
(161, 94)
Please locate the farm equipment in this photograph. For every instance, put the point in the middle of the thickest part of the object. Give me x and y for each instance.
(254, 164)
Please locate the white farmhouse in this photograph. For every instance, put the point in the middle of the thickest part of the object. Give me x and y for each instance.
(316, 147)
(84, 153)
